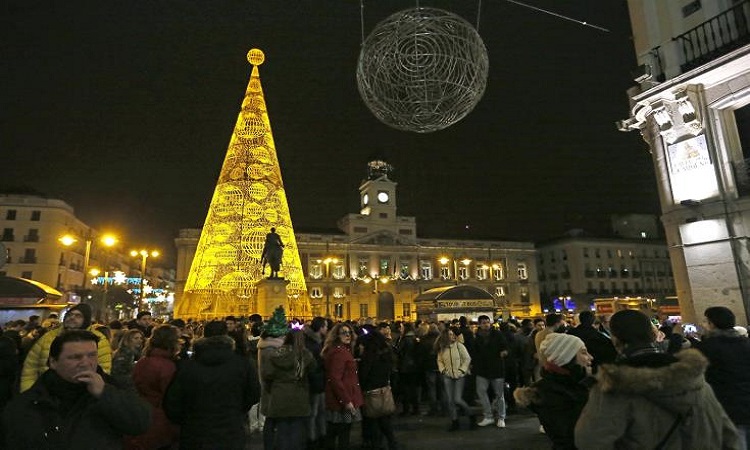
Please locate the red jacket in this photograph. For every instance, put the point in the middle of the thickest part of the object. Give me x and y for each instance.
(152, 375)
(342, 381)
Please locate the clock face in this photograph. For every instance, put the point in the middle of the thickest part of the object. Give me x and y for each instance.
(366, 199)
(383, 197)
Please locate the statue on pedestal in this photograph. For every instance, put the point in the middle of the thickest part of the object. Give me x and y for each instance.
(273, 249)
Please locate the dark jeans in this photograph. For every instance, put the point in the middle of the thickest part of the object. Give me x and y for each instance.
(291, 433)
(376, 426)
(410, 390)
(337, 433)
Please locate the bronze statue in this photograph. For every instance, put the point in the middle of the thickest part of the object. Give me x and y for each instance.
(273, 249)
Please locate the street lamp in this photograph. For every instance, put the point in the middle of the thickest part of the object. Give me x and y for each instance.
(465, 261)
(327, 263)
(67, 240)
(144, 254)
(367, 280)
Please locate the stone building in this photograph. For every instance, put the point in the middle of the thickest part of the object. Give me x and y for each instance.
(691, 107)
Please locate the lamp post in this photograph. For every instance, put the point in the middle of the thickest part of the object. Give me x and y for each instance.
(144, 254)
(67, 240)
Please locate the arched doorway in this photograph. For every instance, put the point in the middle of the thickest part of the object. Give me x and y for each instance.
(385, 306)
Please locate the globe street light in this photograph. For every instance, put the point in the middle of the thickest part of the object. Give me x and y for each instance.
(144, 254)
(383, 280)
(67, 240)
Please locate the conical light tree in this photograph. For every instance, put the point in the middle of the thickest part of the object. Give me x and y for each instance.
(248, 200)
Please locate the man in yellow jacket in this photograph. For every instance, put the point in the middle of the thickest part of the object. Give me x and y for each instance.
(77, 317)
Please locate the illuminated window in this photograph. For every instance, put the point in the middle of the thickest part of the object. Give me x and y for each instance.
(316, 292)
(338, 310)
(522, 272)
(407, 310)
(363, 310)
(403, 273)
(619, 253)
(482, 272)
(500, 291)
(463, 273)
(445, 273)
(338, 292)
(316, 270)
(425, 270)
(338, 271)
(384, 265)
(524, 293)
(363, 269)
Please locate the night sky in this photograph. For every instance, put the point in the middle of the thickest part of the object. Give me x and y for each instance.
(124, 109)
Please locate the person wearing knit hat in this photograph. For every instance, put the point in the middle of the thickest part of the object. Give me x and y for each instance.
(559, 397)
(560, 349)
(277, 324)
(77, 317)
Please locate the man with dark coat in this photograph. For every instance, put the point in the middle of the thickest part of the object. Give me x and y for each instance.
(598, 345)
(315, 333)
(74, 404)
(488, 364)
(729, 370)
(236, 330)
(142, 322)
(212, 393)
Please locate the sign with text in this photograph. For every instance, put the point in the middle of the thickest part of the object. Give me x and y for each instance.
(463, 304)
(691, 170)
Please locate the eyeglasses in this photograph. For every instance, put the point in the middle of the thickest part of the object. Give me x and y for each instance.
(345, 333)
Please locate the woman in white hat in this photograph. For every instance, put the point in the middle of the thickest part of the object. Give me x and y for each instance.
(559, 397)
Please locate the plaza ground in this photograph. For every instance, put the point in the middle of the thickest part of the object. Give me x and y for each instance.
(429, 433)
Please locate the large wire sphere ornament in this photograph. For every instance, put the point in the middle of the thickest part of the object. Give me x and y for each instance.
(422, 70)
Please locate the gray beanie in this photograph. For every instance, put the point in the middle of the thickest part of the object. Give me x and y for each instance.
(560, 349)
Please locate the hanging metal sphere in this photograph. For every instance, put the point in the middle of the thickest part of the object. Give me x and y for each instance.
(422, 70)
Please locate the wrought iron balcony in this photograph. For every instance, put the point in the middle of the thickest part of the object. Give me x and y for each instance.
(715, 37)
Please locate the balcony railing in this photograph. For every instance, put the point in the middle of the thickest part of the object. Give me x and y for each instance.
(715, 37)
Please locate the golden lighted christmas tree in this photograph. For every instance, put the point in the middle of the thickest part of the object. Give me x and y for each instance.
(248, 200)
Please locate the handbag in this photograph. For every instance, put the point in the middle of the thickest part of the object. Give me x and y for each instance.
(379, 402)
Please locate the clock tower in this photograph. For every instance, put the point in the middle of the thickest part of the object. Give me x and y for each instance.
(378, 193)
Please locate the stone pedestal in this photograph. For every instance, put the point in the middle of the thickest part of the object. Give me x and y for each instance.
(272, 294)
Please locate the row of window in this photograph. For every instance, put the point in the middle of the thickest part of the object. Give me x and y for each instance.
(364, 310)
(481, 271)
(341, 292)
(614, 286)
(9, 236)
(597, 252)
(11, 214)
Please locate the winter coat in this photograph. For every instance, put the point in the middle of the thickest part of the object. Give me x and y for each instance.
(342, 382)
(211, 395)
(375, 369)
(287, 382)
(123, 363)
(597, 344)
(151, 376)
(487, 361)
(426, 356)
(317, 375)
(36, 361)
(407, 353)
(35, 420)
(266, 348)
(453, 361)
(729, 372)
(637, 401)
(557, 399)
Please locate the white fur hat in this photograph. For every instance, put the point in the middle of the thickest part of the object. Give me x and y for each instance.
(560, 349)
(741, 330)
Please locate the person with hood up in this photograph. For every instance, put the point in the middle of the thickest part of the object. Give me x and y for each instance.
(211, 393)
(650, 399)
(286, 378)
(77, 318)
(559, 397)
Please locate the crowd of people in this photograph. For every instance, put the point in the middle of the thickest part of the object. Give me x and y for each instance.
(615, 381)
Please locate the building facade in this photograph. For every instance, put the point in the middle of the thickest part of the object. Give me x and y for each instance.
(576, 270)
(375, 265)
(691, 106)
(30, 247)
